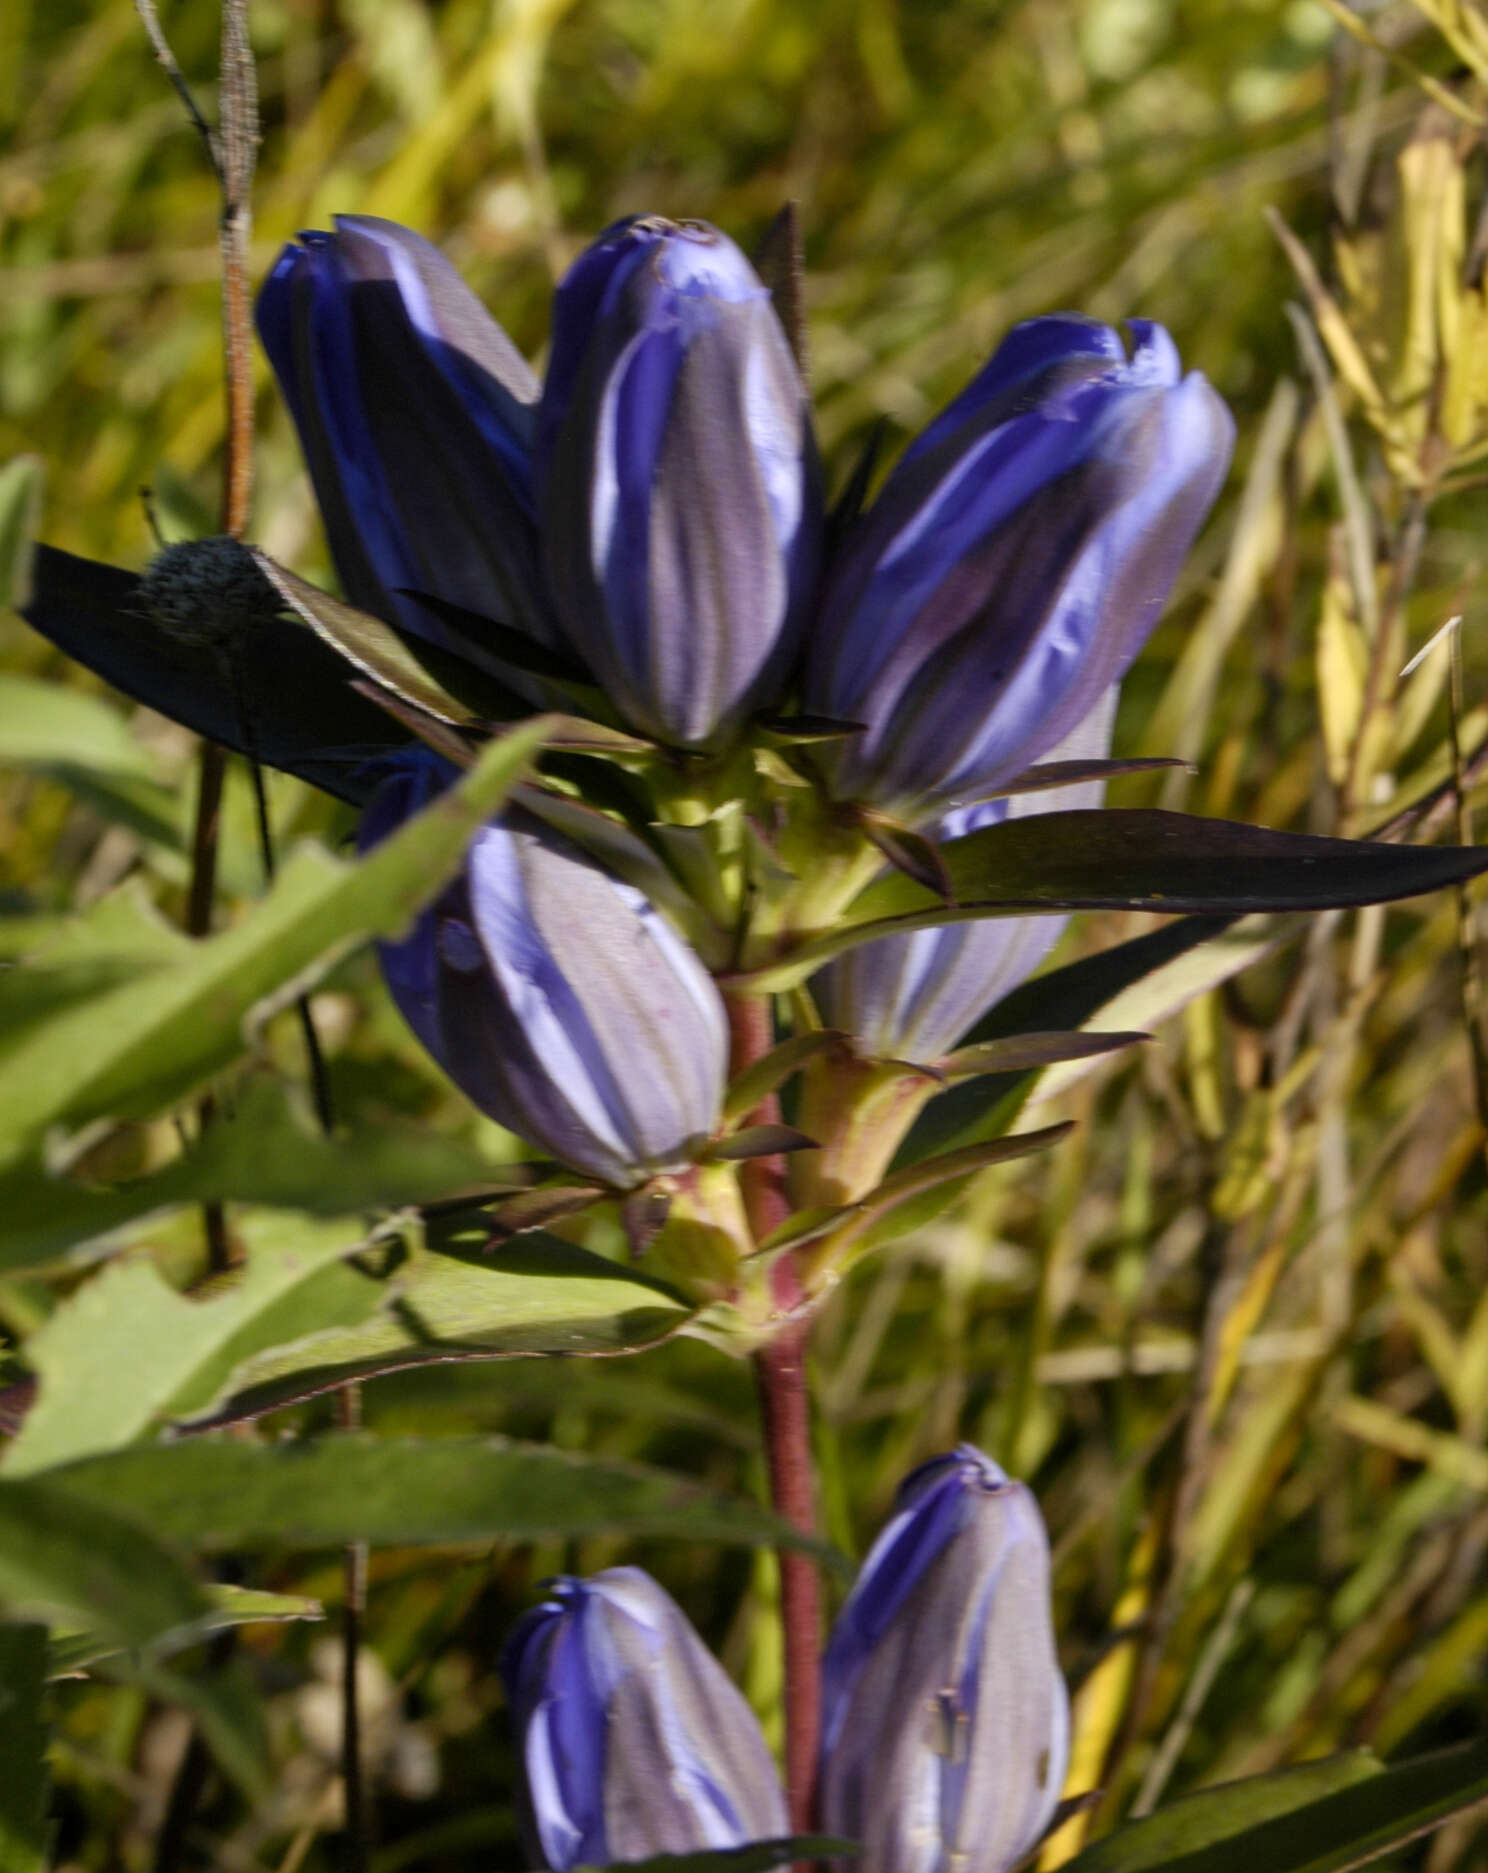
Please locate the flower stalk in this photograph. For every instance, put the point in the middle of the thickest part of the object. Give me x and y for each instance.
(785, 1421)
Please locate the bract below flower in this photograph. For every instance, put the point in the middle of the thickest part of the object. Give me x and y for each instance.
(1014, 563)
(945, 1722)
(633, 1741)
(677, 478)
(416, 415)
(557, 997)
(914, 997)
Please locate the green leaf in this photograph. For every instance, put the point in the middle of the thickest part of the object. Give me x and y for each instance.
(46, 725)
(71, 1653)
(259, 1150)
(758, 1857)
(88, 1563)
(24, 1782)
(83, 744)
(1136, 984)
(908, 1198)
(125, 1347)
(1137, 859)
(135, 1049)
(20, 506)
(1371, 1815)
(212, 1493)
(66, 960)
(773, 1069)
(1025, 1053)
(1214, 1814)
(535, 1295)
(759, 1141)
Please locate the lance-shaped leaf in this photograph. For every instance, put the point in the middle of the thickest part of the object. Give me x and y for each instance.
(20, 504)
(906, 1199)
(1147, 859)
(72, 1653)
(1132, 859)
(286, 698)
(1024, 1053)
(1213, 1815)
(1367, 1817)
(773, 1069)
(91, 1562)
(118, 1353)
(1046, 776)
(216, 1494)
(759, 1141)
(83, 743)
(1146, 979)
(261, 1151)
(534, 1209)
(134, 1049)
(534, 1295)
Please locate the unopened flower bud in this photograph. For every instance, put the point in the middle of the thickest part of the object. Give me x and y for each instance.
(1014, 562)
(415, 412)
(677, 478)
(632, 1740)
(557, 997)
(945, 1720)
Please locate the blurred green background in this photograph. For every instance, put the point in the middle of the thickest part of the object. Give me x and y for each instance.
(1235, 1331)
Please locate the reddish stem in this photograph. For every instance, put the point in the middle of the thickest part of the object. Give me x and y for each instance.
(785, 1420)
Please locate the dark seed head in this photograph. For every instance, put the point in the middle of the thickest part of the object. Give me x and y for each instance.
(208, 592)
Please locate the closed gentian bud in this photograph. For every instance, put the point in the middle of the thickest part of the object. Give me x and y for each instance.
(557, 997)
(914, 997)
(1014, 562)
(677, 478)
(632, 1740)
(416, 413)
(945, 1720)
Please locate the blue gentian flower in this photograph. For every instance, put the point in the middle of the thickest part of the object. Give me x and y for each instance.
(416, 414)
(1014, 563)
(914, 997)
(677, 481)
(632, 1740)
(945, 1721)
(557, 997)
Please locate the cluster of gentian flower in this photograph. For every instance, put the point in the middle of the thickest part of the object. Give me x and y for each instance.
(776, 698)
(945, 1721)
(772, 735)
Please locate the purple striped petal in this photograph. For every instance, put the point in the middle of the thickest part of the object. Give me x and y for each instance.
(1013, 566)
(416, 413)
(677, 479)
(945, 1720)
(558, 998)
(632, 1740)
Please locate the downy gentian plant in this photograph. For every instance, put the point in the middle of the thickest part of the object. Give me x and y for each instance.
(813, 791)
